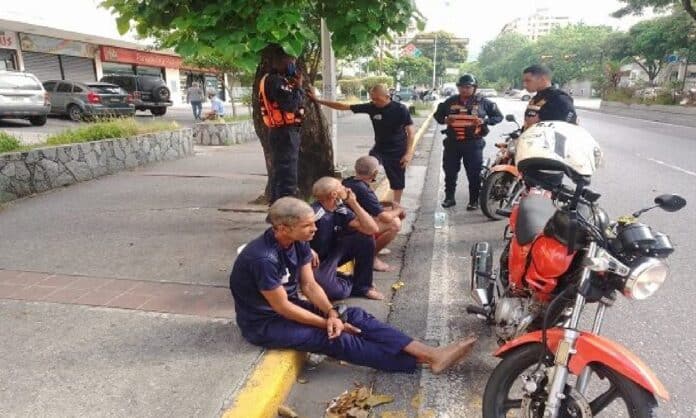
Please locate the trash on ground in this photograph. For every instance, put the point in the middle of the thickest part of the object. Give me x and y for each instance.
(356, 403)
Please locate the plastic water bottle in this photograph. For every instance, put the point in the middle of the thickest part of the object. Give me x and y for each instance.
(440, 219)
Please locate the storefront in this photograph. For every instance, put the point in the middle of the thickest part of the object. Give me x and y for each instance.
(117, 60)
(211, 80)
(8, 51)
(58, 59)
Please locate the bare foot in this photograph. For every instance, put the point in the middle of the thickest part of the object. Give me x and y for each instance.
(452, 354)
(384, 251)
(380, 265)
(374, 294)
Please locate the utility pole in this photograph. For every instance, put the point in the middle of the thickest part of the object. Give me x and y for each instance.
(434, 61)
(329, 85)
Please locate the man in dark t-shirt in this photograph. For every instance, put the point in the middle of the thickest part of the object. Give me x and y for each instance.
(264, 282)
(388, 220)
(394, 134)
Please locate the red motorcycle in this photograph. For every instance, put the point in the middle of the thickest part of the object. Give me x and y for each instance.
(561, 254)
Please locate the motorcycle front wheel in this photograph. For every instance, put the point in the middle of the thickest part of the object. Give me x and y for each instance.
(495, 193)
(609, 394)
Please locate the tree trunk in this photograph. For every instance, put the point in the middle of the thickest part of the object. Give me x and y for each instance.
(316, 153)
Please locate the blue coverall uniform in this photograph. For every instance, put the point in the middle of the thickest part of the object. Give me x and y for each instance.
(265, 265)
(284, 140)
(468, 151)
(336, 243)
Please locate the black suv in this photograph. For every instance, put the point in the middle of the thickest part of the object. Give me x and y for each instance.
(146, 91)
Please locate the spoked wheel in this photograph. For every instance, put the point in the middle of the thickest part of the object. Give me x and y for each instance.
(608, 395)
(495, 193)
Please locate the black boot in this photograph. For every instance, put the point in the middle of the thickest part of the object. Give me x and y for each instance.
(473, 205)
(449, 201)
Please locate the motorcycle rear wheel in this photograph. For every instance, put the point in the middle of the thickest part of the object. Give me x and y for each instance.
(638, 403)
(494, 193)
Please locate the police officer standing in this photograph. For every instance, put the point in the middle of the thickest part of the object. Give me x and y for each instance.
(281, 98)
(549, 103)
(467, 116)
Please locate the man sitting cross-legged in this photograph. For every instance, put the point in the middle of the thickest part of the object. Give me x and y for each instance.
(344, 233)
(389, 221)
(264, 283)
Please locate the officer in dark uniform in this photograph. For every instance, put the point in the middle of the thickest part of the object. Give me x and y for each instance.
(549, 103)
(467, 116)
(282, 97)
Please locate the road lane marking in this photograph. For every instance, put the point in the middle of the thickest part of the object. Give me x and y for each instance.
(673, 167)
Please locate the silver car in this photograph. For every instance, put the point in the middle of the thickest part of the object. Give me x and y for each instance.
(23, 97)
(79, 100)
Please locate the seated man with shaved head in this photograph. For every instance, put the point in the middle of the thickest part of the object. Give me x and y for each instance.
(394, 134)
(344, 233)
(389, 221)
(265, 281)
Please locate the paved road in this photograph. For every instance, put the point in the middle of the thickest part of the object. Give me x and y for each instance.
(23, 130)
(643, 159)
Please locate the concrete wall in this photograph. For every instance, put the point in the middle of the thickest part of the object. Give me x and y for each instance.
(38, 170)
(211, 133)
(678, 115)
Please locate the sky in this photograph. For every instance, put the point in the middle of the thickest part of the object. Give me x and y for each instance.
(480, 21)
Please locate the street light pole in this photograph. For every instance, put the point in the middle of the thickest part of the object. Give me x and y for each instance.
(329, 84)
(434, 61)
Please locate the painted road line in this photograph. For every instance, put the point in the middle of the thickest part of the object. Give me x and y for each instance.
(270, 381)
(673, 167)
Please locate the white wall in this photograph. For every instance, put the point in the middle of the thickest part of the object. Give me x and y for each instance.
(173, 82)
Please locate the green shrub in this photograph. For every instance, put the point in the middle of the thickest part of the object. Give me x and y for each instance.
(665, 98)
(117, 128)
(350, 87)
(623, 95)
(8, 142)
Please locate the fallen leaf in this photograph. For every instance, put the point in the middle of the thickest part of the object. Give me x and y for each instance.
(287, 412)
(376, 400)
(356, 412)
(363, 393)
(398, 285)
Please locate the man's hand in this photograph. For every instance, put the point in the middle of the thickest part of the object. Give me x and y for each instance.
(334, 327)
(406, 159)
(351, 329)
(310, 94)
(315, 259)
(351, 200)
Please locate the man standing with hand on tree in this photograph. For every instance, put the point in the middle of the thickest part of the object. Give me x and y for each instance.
(281, 98)
(394, 134)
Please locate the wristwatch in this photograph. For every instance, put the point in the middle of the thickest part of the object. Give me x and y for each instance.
(341, 310)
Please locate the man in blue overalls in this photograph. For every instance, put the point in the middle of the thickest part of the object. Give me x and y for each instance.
(467, 117)
(264, 283)
(344, 233)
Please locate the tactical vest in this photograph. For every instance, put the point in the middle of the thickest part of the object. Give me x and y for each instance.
(466, 122)
(273, 116)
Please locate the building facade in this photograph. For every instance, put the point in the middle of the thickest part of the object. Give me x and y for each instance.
(536, 25)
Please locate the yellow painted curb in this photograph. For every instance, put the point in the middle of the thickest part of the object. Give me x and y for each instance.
(268, 385)
(270, 382)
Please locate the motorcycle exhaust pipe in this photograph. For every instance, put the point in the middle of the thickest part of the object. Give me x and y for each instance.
(481, 274)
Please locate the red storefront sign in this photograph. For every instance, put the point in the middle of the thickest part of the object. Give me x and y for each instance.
(132, 56)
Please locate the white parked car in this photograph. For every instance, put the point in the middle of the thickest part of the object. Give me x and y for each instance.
(23, 97)
(522, 95)
(488, 92)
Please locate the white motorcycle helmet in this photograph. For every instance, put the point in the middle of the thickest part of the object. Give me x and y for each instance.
(558, 146)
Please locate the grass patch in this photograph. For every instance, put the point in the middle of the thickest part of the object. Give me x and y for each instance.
(9, 143)
(421, 108)
(238, 118)
(116, 128)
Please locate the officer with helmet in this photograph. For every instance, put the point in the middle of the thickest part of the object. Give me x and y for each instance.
(467, 117)
(281, 98)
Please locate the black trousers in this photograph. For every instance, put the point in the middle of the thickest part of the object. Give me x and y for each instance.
(285, 152)
(469, 152)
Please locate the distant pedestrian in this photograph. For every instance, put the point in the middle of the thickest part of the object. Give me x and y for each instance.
(195, 96)
(217, 108)
(394, 134)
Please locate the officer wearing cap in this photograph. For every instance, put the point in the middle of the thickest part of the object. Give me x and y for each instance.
(467, 117)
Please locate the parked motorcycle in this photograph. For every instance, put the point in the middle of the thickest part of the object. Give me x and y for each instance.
(501, 183)
(562, 253)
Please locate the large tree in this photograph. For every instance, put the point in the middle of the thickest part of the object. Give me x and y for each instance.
(253, 33)
(502, 59)
(409, 70)
(637, 7)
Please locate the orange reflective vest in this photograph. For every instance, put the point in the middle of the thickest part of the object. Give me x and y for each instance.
(465, 126)
(273, 116)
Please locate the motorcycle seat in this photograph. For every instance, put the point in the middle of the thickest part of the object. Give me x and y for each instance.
(534, 213)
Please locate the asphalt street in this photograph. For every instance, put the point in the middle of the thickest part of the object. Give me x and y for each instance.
(642, 160)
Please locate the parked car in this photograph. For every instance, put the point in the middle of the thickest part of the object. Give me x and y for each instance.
(521, 94)
(23, 97)
(87, 100)
(488, 92)
(148, 92)
(404, 95)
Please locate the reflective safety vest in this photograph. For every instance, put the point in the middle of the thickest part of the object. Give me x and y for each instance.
(466, 124)
(273, 116)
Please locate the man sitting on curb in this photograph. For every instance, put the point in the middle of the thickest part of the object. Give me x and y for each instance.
(344, 233)
(389, 221)
(217, 108)
(264, 283)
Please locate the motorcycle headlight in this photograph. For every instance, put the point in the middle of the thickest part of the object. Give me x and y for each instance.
(646, 278)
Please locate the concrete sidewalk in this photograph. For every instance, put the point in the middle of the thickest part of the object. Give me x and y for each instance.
(114, 293)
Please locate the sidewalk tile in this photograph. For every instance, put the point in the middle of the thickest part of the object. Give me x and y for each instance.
(25, 278)
(88, 283)
(118, 285)
(6, 290)
(128, 301)
(57, 280)
(98, 297)
(157, 288)
(65, 295)
(33, 293)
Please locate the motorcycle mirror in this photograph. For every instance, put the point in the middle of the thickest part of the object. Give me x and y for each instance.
(670, 202)
(510, 118)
